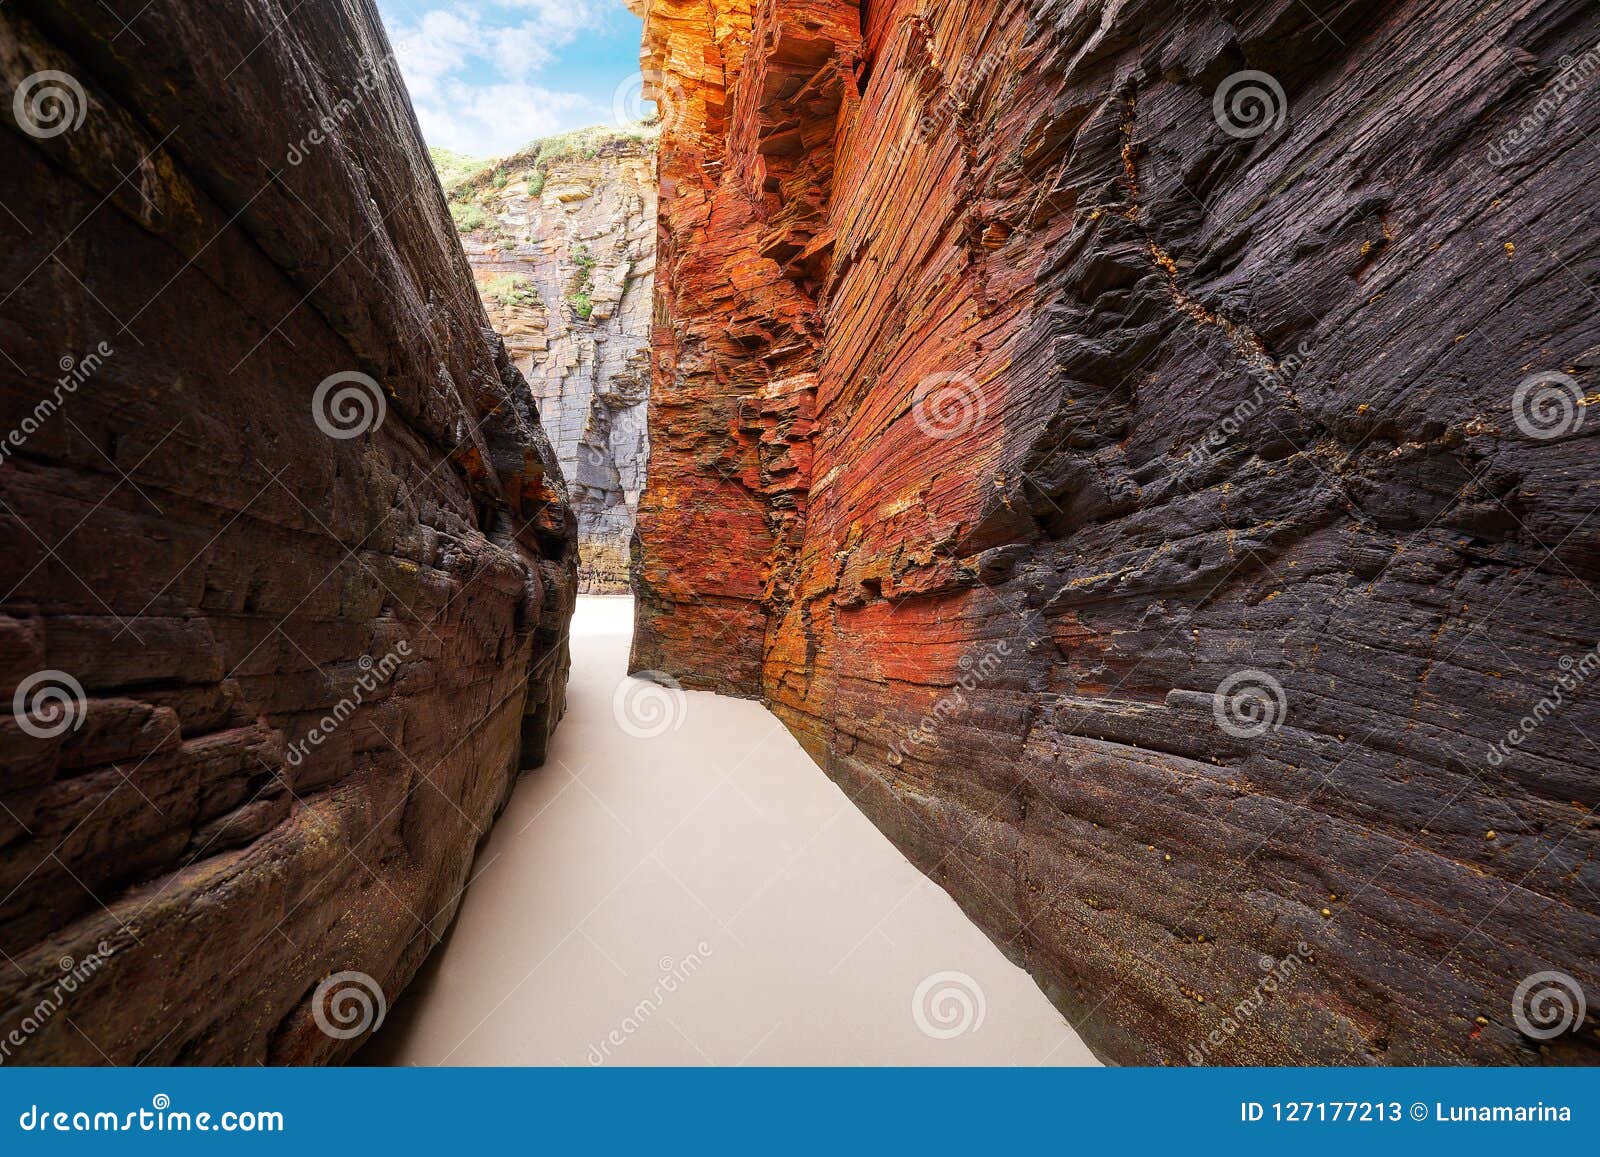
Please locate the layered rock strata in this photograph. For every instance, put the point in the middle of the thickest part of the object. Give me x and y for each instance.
(562, 241)
(1140, 452)
(288, 559)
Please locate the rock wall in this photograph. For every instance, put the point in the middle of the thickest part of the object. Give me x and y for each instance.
(564, 258)
(1140, 451)
(288, 560)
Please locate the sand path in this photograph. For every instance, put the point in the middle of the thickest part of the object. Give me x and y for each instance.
(703, 896)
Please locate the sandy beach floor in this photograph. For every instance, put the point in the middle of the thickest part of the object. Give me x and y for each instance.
(704, 895)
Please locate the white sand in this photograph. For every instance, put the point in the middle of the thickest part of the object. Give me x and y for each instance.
(719, 857)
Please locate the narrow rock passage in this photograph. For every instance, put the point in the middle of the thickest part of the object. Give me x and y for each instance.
(703, 896)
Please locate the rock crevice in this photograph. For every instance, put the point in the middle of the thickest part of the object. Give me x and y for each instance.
(561, 237)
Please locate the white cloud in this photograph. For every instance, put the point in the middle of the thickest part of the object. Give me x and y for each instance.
(562, 18)
(470, 70)
(435, 47)
(498, 119)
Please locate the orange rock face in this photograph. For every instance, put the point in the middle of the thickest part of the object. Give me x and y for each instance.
(1122, 498)
(744, 200)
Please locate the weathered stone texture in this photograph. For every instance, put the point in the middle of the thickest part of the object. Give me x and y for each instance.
(950, 296)
(567, 273)
(215, 571)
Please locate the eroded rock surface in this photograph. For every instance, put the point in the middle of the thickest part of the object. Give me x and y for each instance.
(1017, 389)
(316, 633)
(562, 241)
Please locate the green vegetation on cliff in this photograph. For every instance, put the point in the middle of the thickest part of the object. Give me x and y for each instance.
(510, 289)
(582, 303)
(468, 215)
(453, 167)
(469, 181)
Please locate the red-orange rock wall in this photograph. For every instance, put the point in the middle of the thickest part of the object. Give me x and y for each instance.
(1006, 406)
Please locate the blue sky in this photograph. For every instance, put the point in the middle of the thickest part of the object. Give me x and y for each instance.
(487, 76)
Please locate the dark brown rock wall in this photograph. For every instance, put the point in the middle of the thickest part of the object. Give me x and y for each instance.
(1116, 402)
(311, 665)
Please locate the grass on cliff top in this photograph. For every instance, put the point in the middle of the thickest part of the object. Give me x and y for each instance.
(453, 167)
(468, 180)
(509, 289)
(590, 142)
(468, 216)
